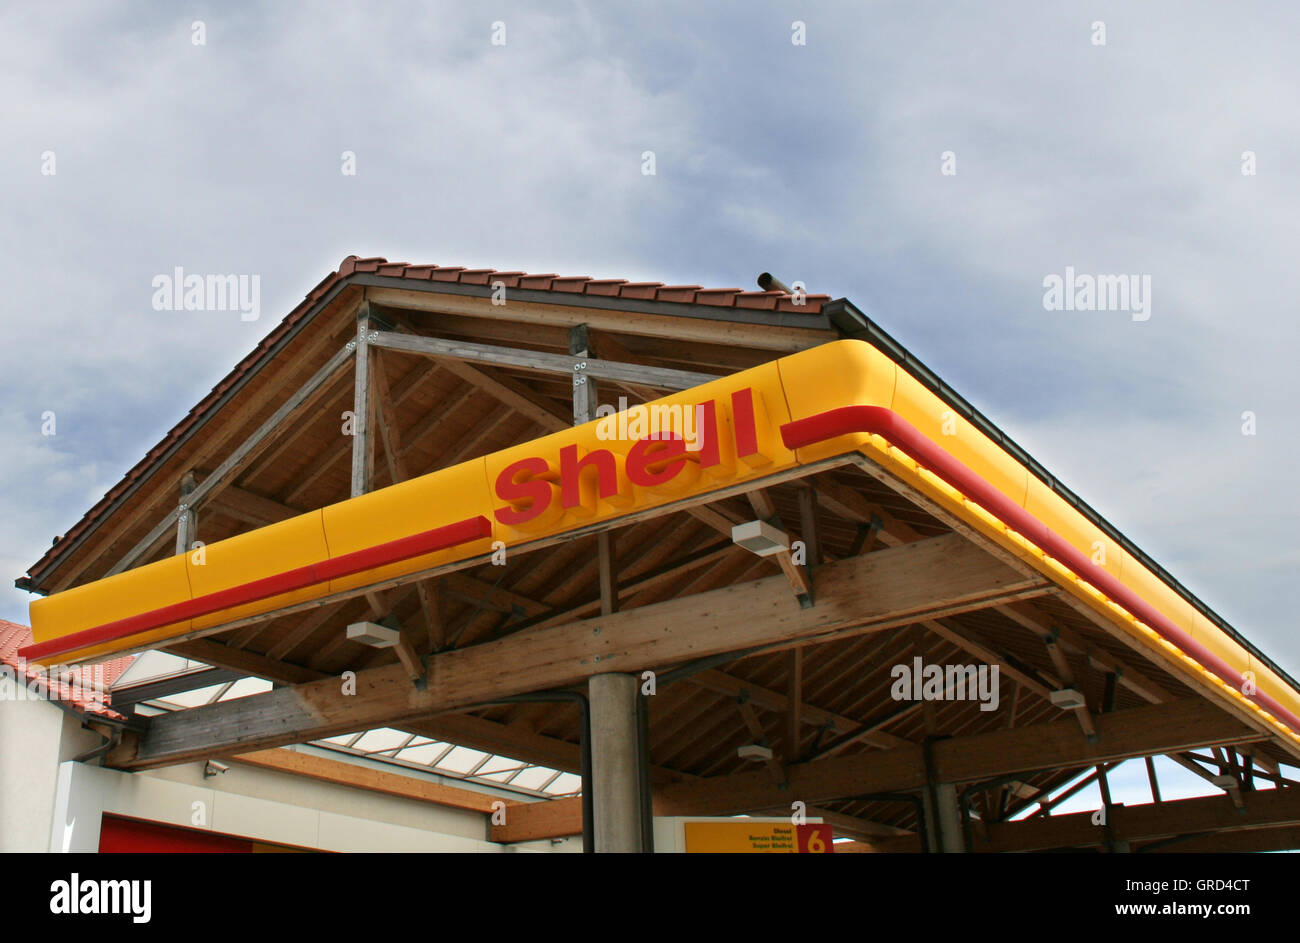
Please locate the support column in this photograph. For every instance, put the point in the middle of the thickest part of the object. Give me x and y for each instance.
(617, 759)
(951, 838)
(187, 519)
(944, 819)
(608, 578)
(584, 387)
(363, 453)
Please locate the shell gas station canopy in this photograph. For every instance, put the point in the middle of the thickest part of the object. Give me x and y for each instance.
(789, 566)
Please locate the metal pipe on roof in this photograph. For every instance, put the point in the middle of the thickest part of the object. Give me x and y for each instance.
(769, 282)
(111, 740)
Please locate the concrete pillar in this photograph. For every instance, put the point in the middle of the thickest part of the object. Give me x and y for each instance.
(615, 762)
(947, 819)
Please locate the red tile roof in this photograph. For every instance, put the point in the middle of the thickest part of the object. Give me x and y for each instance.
(90, 696)
(603, 288)
(579, 284)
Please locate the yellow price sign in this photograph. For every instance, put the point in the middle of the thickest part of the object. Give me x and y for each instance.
(749, 837)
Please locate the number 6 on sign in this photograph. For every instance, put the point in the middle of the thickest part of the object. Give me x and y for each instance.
(814, 839)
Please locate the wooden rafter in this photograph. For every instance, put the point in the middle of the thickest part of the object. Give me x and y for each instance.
(869, 593)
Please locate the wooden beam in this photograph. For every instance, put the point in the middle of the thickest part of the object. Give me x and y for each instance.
(109, 530)
(304, 397)
(794, 714)
(501, 596)
(759, 736)
(339, 390)
(1132, 732)
(1137, 731)
(329, 456)
(846, 502)
(515, 395)
(250, 507)
(797, 574)
(648, 581)
(1270, 808)
(1066, 674)
(435, 622)
(1032, 617)
(465, 729)
(726, 333)
(372, 780)
(446, 407)
(1047, 801)
(719, 518)
(408, 654)
(949, 630)
(871, 593)
(1041, 624)
(247, 450)
(730, 685)
(187, 519)
(1152, 780)
(607, 348)
(390, 433)
(214, 653)
(300, 633)
(531, 821)
(608, 578)
(1167, 661)
(411, 646)
(363, 450)
(808, 524)
(584, 382)
(1285, 838)
(540, 362)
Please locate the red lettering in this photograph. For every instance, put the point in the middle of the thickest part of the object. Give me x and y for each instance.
(706, 415)
(585, 481)
(656, 460)
(743, 411)
(528, 497)
(576, 486)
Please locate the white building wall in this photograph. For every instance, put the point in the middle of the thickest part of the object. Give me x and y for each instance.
(270, 785)
(86, 793)
(48, 802)
(35, 737)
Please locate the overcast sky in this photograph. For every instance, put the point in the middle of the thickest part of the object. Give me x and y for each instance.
(819, 162)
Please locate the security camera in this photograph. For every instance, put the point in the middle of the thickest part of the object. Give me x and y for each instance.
(212, 768)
